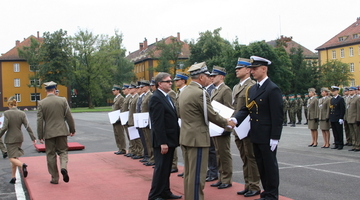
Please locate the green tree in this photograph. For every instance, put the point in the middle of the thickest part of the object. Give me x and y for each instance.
(32, 56)
(123, 71)
(93, 66)
(336, 73)
(56, 58)
(169, 55)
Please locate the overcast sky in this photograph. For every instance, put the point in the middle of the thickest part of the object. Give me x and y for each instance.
(310, 22)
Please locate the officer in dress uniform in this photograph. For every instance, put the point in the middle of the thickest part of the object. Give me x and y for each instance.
(222, 94)
(353, 118)
(140, 130)
(117, 126)
(137, 152)
(337, 112)
(180, 79)
(324, 106)
(313, 117)
(346, 125)
(195, 113)
(245, 147)
(300, 103)
(305, 106)
(285, 109)
(53, 112)
(124, 108)
(264, 105)
(145, 86)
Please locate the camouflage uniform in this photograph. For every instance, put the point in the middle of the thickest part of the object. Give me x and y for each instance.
(300, 104)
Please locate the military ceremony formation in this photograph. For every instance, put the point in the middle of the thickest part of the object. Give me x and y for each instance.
(179, 120)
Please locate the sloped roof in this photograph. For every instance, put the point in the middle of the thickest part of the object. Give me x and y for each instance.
(292, 44)
(347, 34)
(12, 54)
(144, 54)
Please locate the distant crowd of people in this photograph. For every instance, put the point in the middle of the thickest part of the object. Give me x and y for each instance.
(328, 111)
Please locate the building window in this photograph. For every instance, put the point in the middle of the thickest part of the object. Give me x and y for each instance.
(352, 82)
(351, 67)
(16, 82)
(35, 81)
(356, 36)
(18, 97)
(34, 97)
(342, 54)
(351, 51)
(16, 67)
(334, 54)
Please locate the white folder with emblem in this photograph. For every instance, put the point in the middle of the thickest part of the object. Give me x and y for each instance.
(141, 120)
(223, 111)
(133, 133)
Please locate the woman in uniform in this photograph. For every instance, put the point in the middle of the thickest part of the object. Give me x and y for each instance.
(13, 119)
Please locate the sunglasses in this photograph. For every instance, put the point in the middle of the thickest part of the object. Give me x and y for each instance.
(168, 81)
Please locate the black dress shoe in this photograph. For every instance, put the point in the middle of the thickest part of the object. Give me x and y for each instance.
(251, 193)
(25, 172)
(5, 155)
(310, 145)
(335, 147)
(173, 196)
(180, 175)
(12, 181)
(65, 175)
(242, 192)
(292, 125)
(129, 155)
(325, 147)
(340, 148)
(298, 123)
(223, 186)
(149, 164)
(351, 150)
(174, 170)
(136, 157)
(217, 184)
(356, 150)
(315, 145)
(306, 123)
(209, 179)
(144, 160)
(120, 152)
(159, 198)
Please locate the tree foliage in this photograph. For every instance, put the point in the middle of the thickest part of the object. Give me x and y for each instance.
(334, 72)
(56, 58)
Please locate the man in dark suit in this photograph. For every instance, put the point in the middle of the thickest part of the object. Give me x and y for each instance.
(165, 137)
(336, 117)
(265, 107)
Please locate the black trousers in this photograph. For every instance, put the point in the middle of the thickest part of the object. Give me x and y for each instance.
(160, 186)
(338, 134)
(268, 170)
(213, 170)
(143, 142)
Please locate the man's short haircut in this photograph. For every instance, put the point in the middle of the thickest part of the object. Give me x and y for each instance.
(161, 76)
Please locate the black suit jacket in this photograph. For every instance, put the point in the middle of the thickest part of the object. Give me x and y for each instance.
(267, 115)
(164, 121)
(337, 109)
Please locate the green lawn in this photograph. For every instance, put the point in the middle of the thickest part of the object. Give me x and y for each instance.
(96, 109)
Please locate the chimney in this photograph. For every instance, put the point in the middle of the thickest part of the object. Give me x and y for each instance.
(17, 42)
(178, 36)
(145, 43)
(38, 35)
(141, 46)
(156, 40)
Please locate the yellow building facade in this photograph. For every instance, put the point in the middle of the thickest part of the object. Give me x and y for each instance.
(145, 63)
(15, 79)
(344, 47)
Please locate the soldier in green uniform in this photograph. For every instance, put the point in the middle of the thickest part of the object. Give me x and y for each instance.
(305, 106)
(300, 103)
(285, 109)
(292, 109)
(346, 125)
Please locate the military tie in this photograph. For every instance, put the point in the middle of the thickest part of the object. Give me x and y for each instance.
(138, 104)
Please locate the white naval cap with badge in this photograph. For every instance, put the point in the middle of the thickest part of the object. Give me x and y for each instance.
(333, 88)
(257, 61)
(50, 85)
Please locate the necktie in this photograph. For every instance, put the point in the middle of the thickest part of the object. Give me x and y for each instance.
(258, 85)
(168, 98)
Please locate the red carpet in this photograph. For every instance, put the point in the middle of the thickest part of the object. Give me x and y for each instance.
(107, 176)
(71, 146)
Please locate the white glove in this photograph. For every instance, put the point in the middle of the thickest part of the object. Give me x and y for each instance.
(234, 120)
(273, 144)
(341, 121)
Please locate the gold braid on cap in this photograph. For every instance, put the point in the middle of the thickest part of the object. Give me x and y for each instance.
(250, 105)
